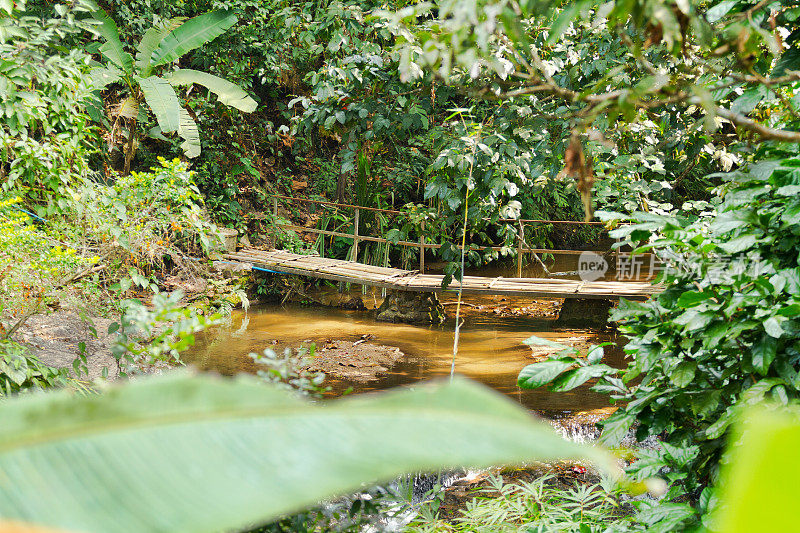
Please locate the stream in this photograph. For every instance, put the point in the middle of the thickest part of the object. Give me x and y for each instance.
(490, 348)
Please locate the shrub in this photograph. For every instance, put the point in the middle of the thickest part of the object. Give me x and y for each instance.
(723, 332)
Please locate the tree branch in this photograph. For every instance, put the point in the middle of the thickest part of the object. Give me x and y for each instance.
(764, 131)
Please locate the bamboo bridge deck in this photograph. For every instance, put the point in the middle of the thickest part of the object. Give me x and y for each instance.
(411, 280)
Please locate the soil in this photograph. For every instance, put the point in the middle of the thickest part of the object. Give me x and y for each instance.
(359, 361)
(55, 339)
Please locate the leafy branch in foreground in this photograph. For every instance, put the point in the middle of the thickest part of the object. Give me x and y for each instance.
(191, 453)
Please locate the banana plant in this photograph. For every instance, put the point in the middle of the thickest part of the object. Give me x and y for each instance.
(150, 79)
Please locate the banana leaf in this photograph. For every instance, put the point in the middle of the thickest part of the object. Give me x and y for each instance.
(163, 101)
(186, 453)
(192, 34)
(227, 92)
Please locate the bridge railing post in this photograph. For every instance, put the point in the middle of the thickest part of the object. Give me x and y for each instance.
(422, 248)
(520, 239)
(355, 236)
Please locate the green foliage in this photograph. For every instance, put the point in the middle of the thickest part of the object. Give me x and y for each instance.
(539, 505)
(21, 372)
(32, 269)
(195, 439)
(723, 332)
(756, 485)
(152, 337)
(162, 44)
(288, 371)
(45, 136)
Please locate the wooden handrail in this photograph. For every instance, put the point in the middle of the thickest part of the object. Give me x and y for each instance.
(422, 245)
(431, 246)
(396, 212)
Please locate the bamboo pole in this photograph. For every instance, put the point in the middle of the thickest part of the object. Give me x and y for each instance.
(422, 248)
(520, 238)
(355, 236)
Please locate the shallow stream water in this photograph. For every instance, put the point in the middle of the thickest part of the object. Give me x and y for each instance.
(490, 348)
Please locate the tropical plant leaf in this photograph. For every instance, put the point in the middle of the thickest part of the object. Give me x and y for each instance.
(539, 374)
(184, 453)
(102, 76)
(757, 485)
(150, 41)
(163, 101)
(112, 49)
(192, 34)
(187, 129)
(128, 108)
(227, 92)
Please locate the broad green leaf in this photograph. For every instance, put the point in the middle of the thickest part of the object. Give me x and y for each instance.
(704, 403)
(755, 394)
(716, 429)
(692, 298)
(227, 92)
(192, 34)
(563, 21)
(773, 327)
(749, 100)
(113, 48)
(739, 244)
(103, 76)
(533, 340)
(579, 376)
(763, 353)
(163, 101)
(666, 516)
(538, 374)
(683, 373)
(758, 483)
(717, 11)
(187, 129)
(183, 453)
(616, 427)
(150, 41)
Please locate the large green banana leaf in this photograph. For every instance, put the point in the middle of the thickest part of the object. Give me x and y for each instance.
(227, 92)
(187, 129)
(182, 453)
(112, 49)
(102, 76)
(163, 101)
(150, 41)
(758, 485)
(192, 34)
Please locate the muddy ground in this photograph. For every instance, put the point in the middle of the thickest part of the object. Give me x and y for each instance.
(56, 339)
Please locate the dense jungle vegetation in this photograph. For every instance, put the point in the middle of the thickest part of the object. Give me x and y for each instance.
(133, 131)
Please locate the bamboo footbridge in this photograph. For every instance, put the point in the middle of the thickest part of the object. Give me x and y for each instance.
(417, 280)
(412, 280)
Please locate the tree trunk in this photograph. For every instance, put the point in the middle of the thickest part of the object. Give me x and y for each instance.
(129, 148)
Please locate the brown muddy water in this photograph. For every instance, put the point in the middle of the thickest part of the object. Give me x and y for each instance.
(490, 347)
